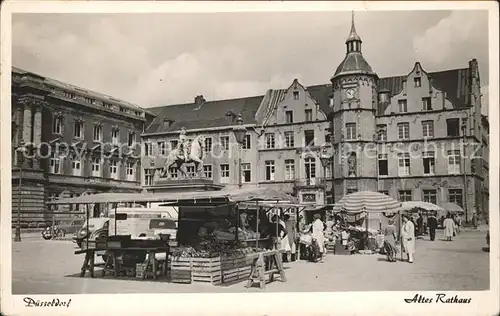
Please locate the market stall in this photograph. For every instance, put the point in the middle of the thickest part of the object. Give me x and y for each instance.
(363, 216)
(213, 248)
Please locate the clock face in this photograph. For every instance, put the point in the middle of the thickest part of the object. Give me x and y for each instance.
(349, 93)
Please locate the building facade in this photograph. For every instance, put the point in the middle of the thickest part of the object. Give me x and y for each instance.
(68, 141)
(419, 136)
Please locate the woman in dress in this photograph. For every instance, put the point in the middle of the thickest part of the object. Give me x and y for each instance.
(408, 237)
(449, 227)
(390, 237)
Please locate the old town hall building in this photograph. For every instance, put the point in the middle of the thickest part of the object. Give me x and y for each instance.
(403, 136)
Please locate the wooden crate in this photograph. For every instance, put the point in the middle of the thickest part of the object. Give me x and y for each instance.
(201, 269)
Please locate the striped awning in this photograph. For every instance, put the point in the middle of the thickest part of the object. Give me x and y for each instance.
(367, 201)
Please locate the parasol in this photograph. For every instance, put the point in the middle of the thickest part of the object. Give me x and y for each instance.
(452, 208)
(411, 205)
(367, 201)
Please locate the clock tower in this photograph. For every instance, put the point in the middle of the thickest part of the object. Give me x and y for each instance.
(353, 121)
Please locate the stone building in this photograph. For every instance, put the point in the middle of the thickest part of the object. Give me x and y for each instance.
(418, 136)
(75, 142)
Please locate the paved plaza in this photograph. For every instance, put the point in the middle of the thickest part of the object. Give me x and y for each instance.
(47, 267)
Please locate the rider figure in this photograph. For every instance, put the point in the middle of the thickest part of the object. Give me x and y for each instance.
(183, 145)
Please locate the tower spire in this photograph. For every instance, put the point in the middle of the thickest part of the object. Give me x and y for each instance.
(353, 36)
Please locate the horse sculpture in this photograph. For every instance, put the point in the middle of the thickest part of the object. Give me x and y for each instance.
(175, 158)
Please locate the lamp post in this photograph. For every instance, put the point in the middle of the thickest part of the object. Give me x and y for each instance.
(21, 150)
(464, 135)
(325, 161)
(239, 133)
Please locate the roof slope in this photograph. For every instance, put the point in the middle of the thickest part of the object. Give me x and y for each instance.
(209, 114)
(455, 83)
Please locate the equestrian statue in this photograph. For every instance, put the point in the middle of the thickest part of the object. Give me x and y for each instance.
(186, 152)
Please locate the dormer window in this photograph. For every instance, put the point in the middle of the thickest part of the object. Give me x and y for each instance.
(383, 97)
(296, 95)
(417, 82)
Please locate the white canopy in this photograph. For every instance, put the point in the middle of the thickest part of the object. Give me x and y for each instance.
(410, 205)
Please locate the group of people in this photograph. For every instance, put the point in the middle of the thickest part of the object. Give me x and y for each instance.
(407, 239)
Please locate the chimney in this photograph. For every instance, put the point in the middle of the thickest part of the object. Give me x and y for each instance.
(199, 100)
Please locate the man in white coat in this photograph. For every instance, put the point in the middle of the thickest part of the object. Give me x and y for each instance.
(318, 233)
(408, 237)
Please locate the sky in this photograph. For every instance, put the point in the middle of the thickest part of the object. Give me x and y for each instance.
(169, 58)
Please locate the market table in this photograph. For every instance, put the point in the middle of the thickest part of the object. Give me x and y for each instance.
(88, 262)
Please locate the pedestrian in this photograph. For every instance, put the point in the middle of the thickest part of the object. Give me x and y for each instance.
(329, 228)
(449, 227)
(432, 223)
(291, 233)
(420, 225)
(474, 220)
(390, 237)
(319, 235)
(408, 237)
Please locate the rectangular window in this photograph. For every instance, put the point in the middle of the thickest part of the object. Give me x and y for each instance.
(270, 141)
(403, 106)
(350, 133)
(115, 136)
(453, 127)
(382, 132)
(224, 142)
(430, 196)
(310, 167)
(309, 115)
(296, 95)
(224, 173)
(247, 142)
(56, 163)
(191, 172)
(289, 140)
(404, 164)
(78, 129)
(148, 149)
(96, 167)
(405, 195)
(429, 162)
(76, 165)
(289, 116)
(270, 170)
(309, 137)
(130, 171)
(428, 128)
(426, 104)
(453, 161)
(208, 145)
(131, 138)
(174, 143)
(289, 169)
(57, 125)
(97, 133)
(173, 173)
(417, 82)
(162, 148)
(383, 165)
(246, 172)
(403, 131)
(208, 172)
(113, 169)
(455, 196)
(148, 176)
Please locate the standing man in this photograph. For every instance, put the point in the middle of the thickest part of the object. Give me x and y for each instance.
(317, 233)
(292, 235)
(432, 223)
(420, 224)
(408, 237)
(474, 220)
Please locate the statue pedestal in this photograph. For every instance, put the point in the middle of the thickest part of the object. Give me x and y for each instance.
(184, 185)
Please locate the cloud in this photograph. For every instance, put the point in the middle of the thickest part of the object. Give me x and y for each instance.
(456, 39)
(157, 59)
